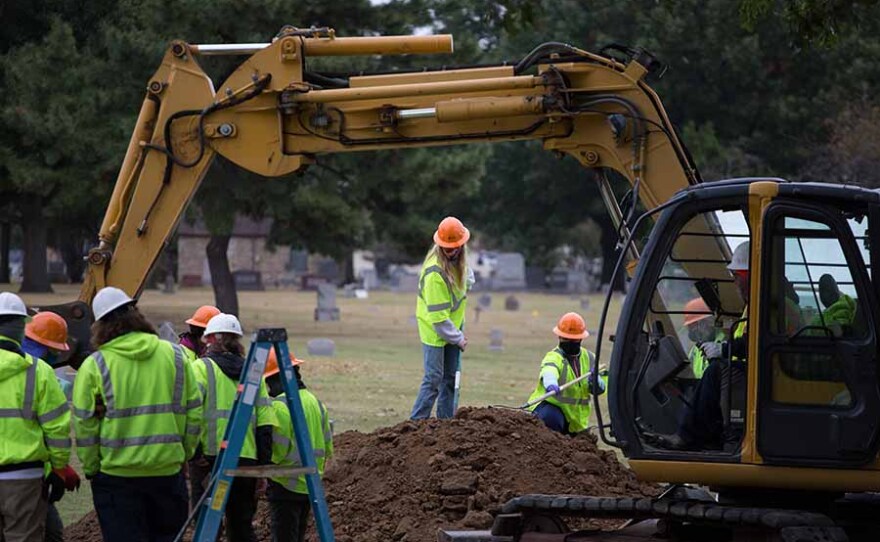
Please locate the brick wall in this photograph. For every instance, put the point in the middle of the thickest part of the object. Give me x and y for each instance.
(245, 253)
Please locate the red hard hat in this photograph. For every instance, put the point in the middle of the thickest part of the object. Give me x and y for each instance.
(696, 310)
(571, 326)
(272, 363)
(203, 315)
(48, 329)
(451, 233)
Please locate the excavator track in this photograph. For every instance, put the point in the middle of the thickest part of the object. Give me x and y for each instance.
(691, 517)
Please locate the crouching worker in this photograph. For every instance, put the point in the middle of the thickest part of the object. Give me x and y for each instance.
(289, 497)
(218, 374)
(567, 411)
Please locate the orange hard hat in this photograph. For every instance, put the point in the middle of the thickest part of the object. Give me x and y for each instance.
(571, 326)
(696, 310)
(451, 233)
(203, 315)
(272, 363)
(48, 329)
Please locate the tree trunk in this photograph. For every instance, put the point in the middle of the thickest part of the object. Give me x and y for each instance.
(5, 246)
(225, 295)
(71, 248)
(35, 273)
(610, 255)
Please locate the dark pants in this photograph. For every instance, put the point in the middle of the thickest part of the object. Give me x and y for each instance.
(290, 514)
(198, 477)
(22, 510)
(140, 509)
(552, 417)
(701, 427)
(241, 506)
(54, 525)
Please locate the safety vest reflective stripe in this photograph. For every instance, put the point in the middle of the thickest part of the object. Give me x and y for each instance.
(176, 406)
(27, 408)
(130, 441)
(52, 414)
(58, 442)
(82, 413)
(563, 374)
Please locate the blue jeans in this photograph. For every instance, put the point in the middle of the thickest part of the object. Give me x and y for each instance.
(552, 417)
(438, 383)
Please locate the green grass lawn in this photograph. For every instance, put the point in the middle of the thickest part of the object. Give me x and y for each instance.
(373, 378)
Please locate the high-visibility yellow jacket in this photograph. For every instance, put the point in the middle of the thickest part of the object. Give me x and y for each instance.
(218, 393)
(284, 450)
(34, 415)
(439, 299)
(153, 409)
(574, 401)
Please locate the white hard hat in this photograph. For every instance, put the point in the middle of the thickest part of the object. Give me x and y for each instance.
(11, 305)
(224, 323)
(109, 299)
(740, 259)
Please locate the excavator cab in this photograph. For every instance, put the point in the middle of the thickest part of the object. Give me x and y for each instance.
(787, 348)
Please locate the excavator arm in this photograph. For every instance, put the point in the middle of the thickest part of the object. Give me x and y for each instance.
(273, 117)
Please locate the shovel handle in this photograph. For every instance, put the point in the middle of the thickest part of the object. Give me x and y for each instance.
(562, 388)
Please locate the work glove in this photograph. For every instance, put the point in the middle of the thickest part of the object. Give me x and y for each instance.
(552, 388)
(69, 477)
(53, 487)
(712, 350)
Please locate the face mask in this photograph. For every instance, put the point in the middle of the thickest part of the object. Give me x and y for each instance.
(51, 358)
(570, 348)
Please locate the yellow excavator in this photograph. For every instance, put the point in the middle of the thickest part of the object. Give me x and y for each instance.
(779, 441)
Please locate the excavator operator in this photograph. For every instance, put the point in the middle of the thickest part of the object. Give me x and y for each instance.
(706, 423)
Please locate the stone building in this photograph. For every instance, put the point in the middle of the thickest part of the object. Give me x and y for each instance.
(247, 253)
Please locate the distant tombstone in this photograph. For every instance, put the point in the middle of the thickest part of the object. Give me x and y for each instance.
(485, 301)
(326, 311)
(167, 333)
(361, 293)
(511, 303)
(496, 340)
(370, 279)
(348, 291)
(585, 303)
(321, 347)
(248, 280)
(169, 284)
(510, 272)
(299, 261)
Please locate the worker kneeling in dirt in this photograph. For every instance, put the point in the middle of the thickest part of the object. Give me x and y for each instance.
(137, 415)
(45, 337)
(568, 410)
(289, 496)
(218, 375)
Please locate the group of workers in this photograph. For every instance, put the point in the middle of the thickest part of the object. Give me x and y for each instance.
(143, 410)
(562, 397)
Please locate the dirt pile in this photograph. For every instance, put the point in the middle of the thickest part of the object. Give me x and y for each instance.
(402, 483)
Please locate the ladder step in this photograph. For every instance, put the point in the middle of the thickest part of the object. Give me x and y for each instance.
(268, 471)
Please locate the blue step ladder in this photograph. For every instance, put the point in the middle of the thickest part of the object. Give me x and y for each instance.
(226, 469)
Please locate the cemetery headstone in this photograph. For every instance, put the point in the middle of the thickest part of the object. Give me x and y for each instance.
(326, 311)
(496, 340)
(511, 303)
(321, 347)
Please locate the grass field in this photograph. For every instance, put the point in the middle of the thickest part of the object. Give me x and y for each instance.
(373, 378)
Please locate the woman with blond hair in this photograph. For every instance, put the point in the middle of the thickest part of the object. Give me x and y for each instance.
(440, 309)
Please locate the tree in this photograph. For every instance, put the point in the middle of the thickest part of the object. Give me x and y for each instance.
(810, 21)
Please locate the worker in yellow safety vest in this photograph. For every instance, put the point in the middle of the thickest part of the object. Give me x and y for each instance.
(45, 338)
(193, 348)
(34, 428)
(440, 309)
(566, 411)
(191, 340)
(706, 338)
(137, 413)
(289, 501)
(218, 374)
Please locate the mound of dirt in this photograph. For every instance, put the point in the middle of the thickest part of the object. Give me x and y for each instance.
(402, 483)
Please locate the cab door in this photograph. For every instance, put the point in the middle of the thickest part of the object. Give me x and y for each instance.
(818, 394)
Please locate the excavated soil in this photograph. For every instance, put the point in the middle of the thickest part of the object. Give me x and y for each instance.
(402, 483)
